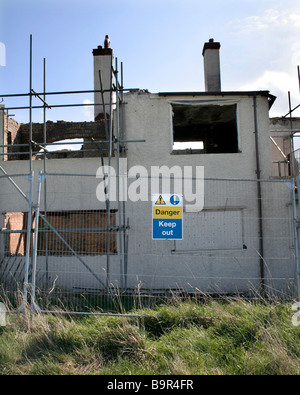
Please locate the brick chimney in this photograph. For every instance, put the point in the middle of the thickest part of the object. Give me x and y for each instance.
(103, 58)
(212, 74)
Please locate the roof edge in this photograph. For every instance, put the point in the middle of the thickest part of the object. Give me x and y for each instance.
(264, 93)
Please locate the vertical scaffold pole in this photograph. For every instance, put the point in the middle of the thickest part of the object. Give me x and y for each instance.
(30, 106)
(45, 171)
(41, 178)
(117, 134)
(122, 133)
(28, 242)
(109, 178)
(296, 236)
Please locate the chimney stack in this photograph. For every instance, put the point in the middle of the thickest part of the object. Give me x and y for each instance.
(212, 74)
(103, 58)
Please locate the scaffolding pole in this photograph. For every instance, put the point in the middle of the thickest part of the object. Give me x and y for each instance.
(28, 240)
(120, 217)
(123, 151)
(296, 235)
(45, 171)
(30, 106)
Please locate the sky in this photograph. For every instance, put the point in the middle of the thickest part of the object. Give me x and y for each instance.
(159, 42)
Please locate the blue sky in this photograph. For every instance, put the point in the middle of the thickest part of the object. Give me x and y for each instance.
(159, 42)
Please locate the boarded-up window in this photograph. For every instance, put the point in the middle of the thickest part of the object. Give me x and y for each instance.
(84, 231)
(212, 229)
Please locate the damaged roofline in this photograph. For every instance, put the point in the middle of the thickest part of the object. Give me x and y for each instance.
(267, 94)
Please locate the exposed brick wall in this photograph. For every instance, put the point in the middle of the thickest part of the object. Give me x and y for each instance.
(10, 127)
(15, 242)
(55, 131)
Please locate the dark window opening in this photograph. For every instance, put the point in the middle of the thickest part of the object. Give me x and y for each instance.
(9, 138)
(205, 128)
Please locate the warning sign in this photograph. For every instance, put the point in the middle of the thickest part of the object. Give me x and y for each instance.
(167, 217)
(160, 200)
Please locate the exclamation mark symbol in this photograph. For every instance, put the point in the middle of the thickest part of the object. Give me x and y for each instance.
(160, 200)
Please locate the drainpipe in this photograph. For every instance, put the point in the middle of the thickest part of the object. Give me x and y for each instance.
(259, 201)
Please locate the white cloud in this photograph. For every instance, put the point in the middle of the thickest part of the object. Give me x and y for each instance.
(272, 39)
(295, 19)
(279, 83)
(278, 80)
(271, 19)
(88, 111)
(2, 54)
(295, 54)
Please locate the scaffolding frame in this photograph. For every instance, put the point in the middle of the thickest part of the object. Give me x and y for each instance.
(290, 133)
(116, 141)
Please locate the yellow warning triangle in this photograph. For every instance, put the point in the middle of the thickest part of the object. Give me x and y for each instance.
(160, 200)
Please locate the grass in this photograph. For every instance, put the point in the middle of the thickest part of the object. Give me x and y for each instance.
(227, 337)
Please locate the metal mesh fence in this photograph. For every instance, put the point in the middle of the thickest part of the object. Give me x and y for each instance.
(238, 241)
(220, 250)
(14, 201)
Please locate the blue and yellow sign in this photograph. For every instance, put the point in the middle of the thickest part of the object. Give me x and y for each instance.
(167, 217)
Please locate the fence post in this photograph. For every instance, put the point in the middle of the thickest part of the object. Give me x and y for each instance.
(41, 178)
(296, 236)
(27, 261)
(296, 244)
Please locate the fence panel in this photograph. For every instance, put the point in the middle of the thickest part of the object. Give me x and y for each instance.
(83, 254)
(14, 208)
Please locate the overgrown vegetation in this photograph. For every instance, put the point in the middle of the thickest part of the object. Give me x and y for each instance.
(179, 338)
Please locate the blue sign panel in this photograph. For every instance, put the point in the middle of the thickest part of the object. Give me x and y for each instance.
(167, 229)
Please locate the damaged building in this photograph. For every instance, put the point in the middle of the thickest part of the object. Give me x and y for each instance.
(238, 239)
